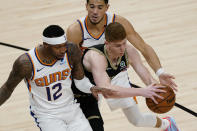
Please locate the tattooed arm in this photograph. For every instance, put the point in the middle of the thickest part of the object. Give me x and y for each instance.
(81, 82)
(74, 54)
(21, 69)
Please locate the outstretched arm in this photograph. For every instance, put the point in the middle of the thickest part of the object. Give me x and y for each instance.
(135, 39)
(102, 79)
(22, 68)
(136, 62)
(147, 51)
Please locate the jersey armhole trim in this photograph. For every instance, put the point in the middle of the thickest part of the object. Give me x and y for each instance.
(32, 64)
(28, 84)
(81, 25)
(67, 58)
(113, 19)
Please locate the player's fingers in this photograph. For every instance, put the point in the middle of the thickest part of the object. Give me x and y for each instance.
(107, 95)
(96, 89)
(171, 76)
(156, 95)
(159, 90)
(154, 83)
(173, 86)
(95, 95)
(160, 86)
(154, 100)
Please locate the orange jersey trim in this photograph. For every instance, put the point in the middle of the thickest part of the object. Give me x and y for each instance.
(29, 85)
(95, 37)
(113, 19)
(81, 25)
(37, 56)
(68, 61)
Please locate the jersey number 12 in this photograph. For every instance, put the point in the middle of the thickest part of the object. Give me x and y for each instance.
(55, 95)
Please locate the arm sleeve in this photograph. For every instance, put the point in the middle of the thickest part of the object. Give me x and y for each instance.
(84, 84)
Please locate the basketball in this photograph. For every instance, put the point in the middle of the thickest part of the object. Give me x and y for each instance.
(164, 105)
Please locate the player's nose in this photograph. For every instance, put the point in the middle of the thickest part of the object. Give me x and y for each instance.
(62, 49)
(95, 11)
(122, 48)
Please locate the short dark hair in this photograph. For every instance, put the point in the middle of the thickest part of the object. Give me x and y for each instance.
(106, 1)
(53, 31)
(115, 32)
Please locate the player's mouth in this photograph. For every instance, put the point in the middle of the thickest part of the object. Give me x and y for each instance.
(121, 53)
(61, 56)
(94, 18)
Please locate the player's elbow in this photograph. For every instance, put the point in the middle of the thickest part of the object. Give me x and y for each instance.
(146, 50)
(5, 93)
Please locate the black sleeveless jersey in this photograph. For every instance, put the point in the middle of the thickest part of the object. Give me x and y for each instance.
(111, 69)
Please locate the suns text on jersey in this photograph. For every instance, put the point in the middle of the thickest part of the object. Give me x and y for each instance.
(54, 77)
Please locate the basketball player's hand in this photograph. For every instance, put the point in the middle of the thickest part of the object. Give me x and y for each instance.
(151, 92)
(99, 90)
(167, 79)
(95, 91)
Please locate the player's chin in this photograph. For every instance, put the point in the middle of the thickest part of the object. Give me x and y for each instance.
(121, 54)
(94, 20)
(60, 57)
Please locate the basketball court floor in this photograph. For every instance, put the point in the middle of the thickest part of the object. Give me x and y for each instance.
(169, 26)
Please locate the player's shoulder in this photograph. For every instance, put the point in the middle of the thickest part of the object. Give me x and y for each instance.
(23, 65)
(74, 28)
(23, 59)
(121, 20)
(126, 24)
(74, 33)
(94, 54)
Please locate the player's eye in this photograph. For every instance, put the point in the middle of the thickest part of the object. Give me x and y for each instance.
(91, 6)
(100, 7)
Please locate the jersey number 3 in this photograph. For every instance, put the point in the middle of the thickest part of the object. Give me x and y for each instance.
(56, 94)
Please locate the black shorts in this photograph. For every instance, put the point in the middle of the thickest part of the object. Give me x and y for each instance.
(89, 106)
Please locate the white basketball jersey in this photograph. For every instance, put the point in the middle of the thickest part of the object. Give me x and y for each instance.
(121, 79)
(88, 38)
(50, 85)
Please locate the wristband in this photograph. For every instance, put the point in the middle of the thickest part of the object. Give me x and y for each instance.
(159, 71)
(84, 84)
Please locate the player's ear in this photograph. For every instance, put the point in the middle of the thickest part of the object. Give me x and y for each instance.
(106, 42)
(86, 6)
(107, 7)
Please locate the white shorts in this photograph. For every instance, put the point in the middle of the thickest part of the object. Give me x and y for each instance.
(121, 80)
(49, 122)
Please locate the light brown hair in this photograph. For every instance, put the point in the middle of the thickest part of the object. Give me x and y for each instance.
(115, 32)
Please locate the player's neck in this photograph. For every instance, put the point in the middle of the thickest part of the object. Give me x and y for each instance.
(45, 55)
(114, 59)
